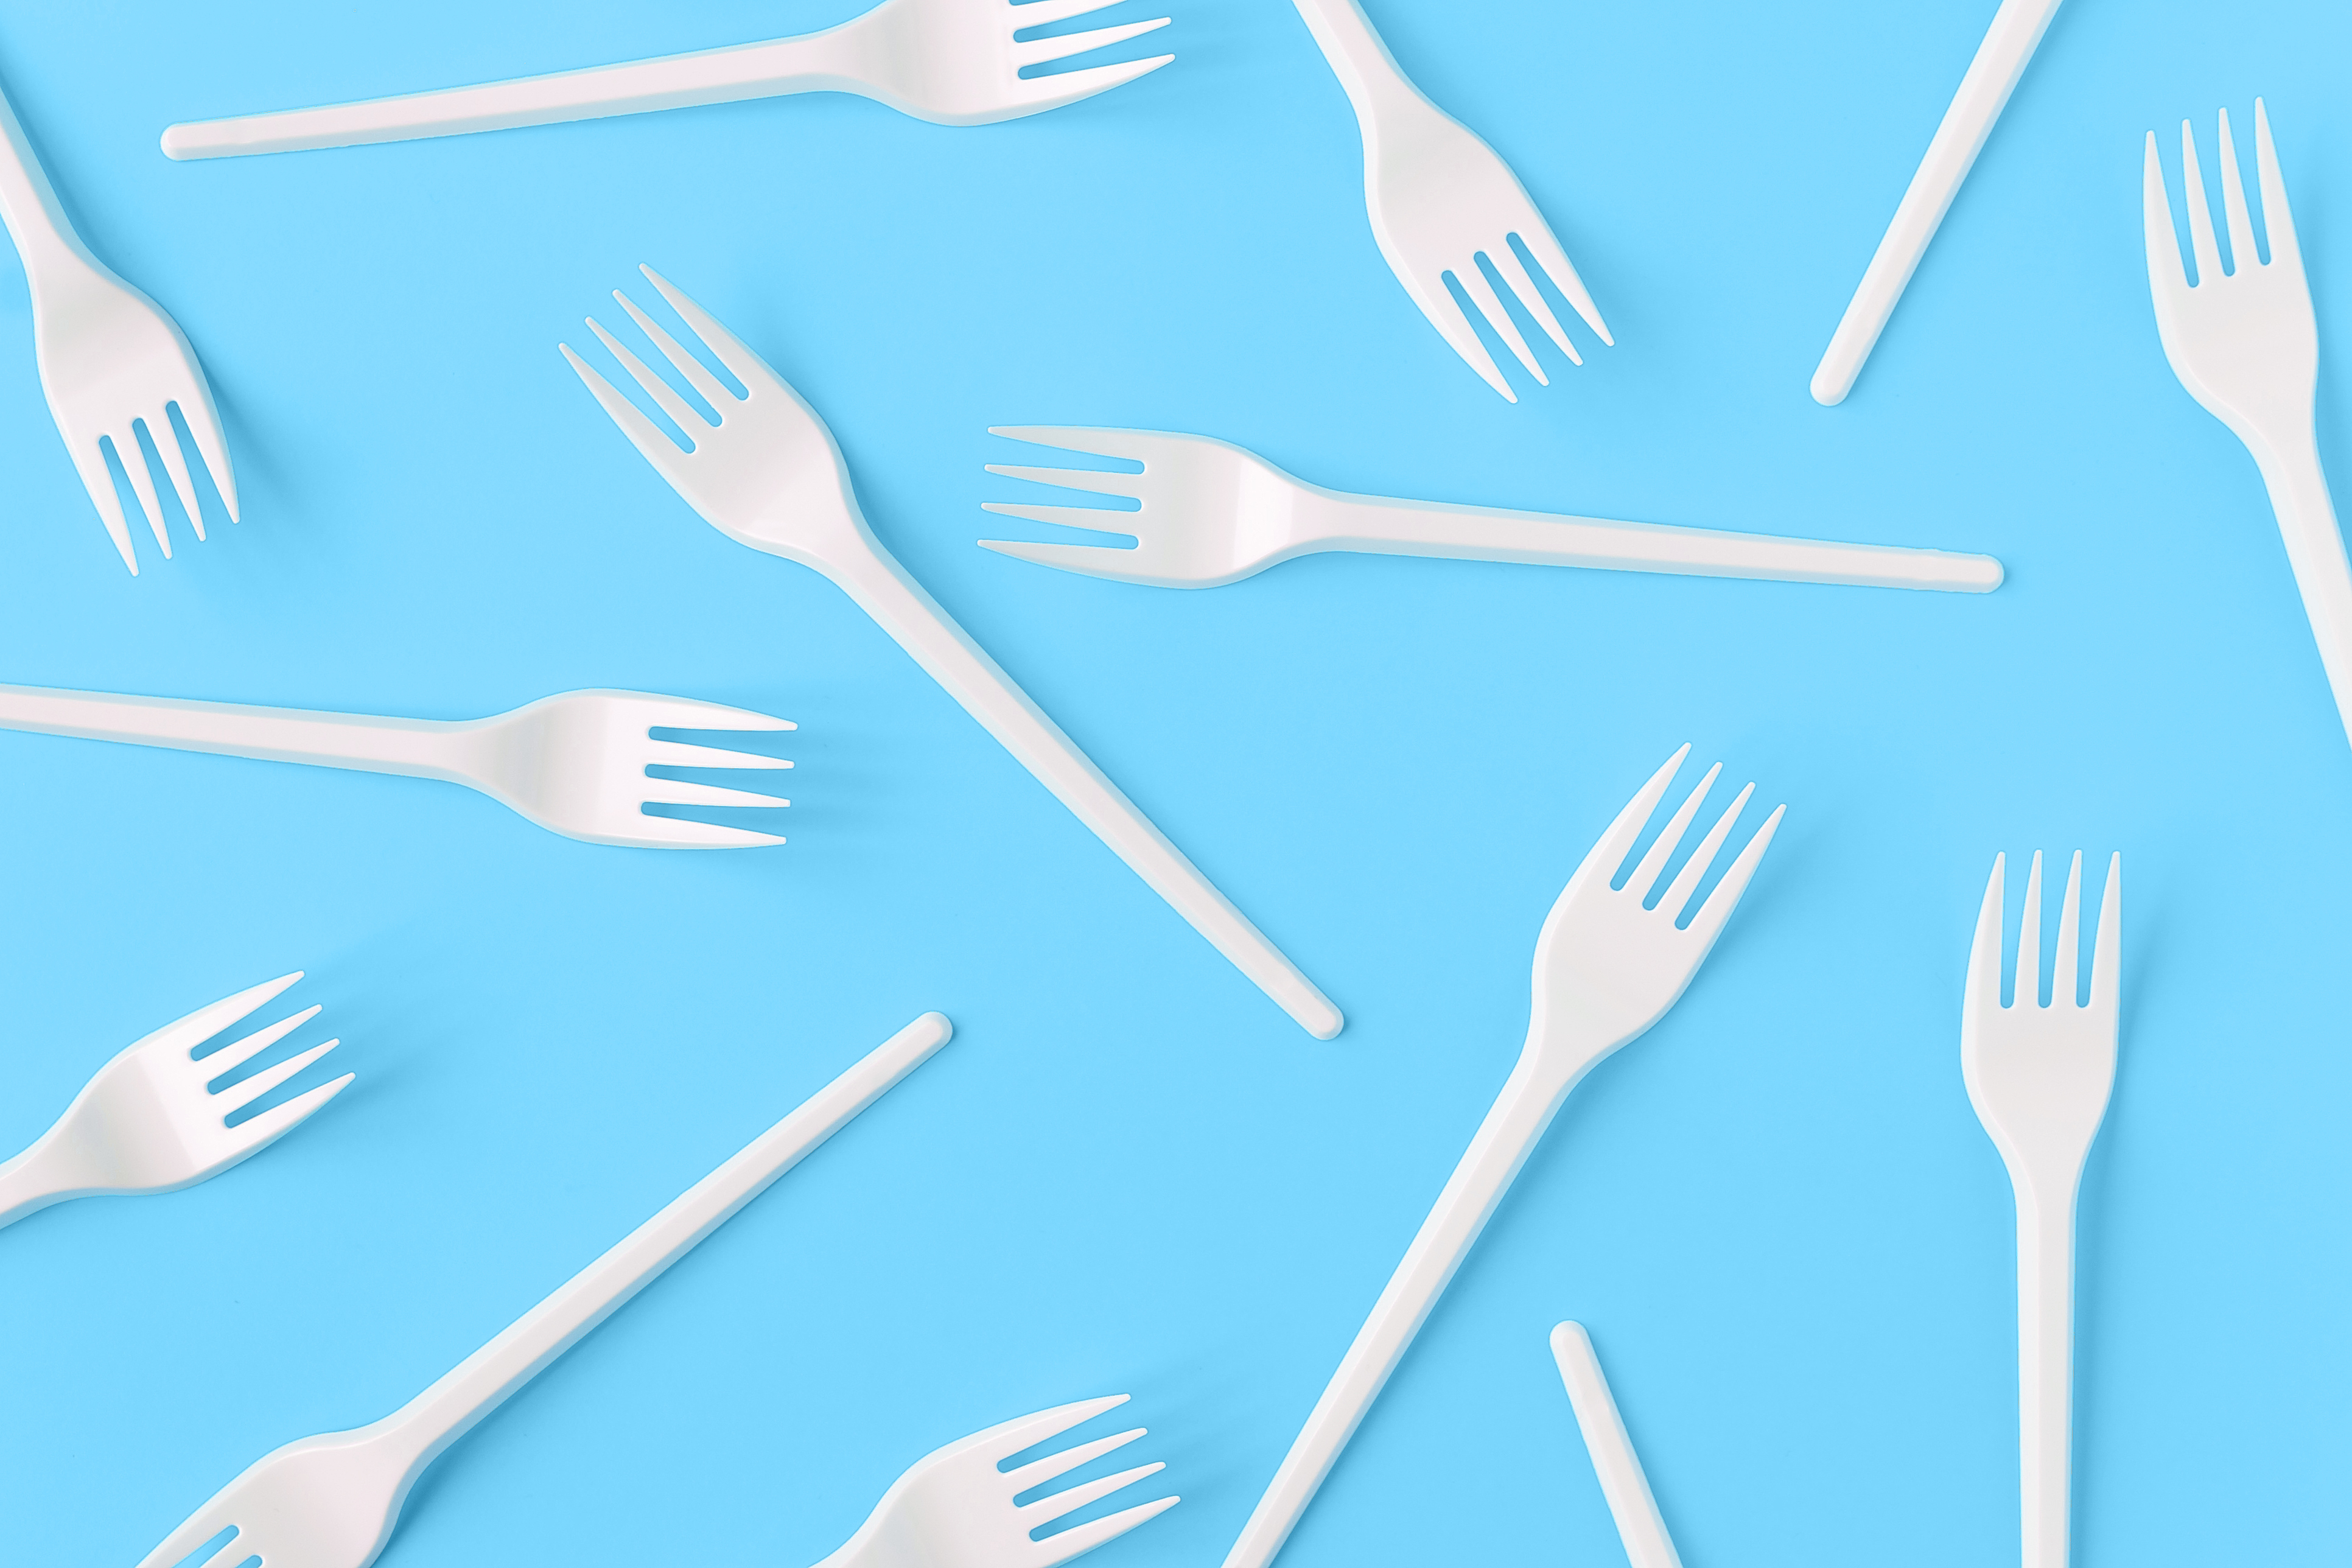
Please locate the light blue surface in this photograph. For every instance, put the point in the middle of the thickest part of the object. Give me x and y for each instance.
(1129, 1171)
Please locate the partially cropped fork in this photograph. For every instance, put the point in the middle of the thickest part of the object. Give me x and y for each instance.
(951, 62)
(2246, 345)
(1212, 514)
(152, 1120)
(1440, 198)
(954, 1508)
(111, 361)
(575, 764)
(1607, 966)
(2039, 1075)
(768, 474)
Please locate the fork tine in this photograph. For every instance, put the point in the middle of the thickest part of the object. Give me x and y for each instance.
(1095, 480)
(175, 463)
(205, 427)
(1090, 518)
(89, 462)
(2107, 956)
(202, 1025)
(1517, 278)
(245, 1091)
(274, 1123)
(1708, 923)
(1006, 1438)
(1038, 94)
(2200, 217)
(686, 755)
(2063, 970)
(1610, 853)
(683, 792)
(228, 1058)
(142, 480)
(1472, 279)
(1653, 864)
(1686, 888)
(1044, 51)
(1984, 950)
(2166, 271)
(683, 833)
(2027, 992)
(1044, 1511)
(1455, 328)
(1144, 447)
(2242, 254)
(1548, 255)
(199, 1528)
(684, 415)
(686, 713)
(2278, 220)
(697, 376)
(1106, 561)
(1045, 12)
(725, 346)
(1038, 1472)
(652, 442)
(1086, 1537)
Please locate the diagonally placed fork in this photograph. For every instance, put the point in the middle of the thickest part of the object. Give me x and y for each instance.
(1438, 198)
(2039, 1076)
(1212, 514)
(150, 1122)
(768, 474)
(2246, 345)
(575, 763)
(951, 62)
(111, 361)
(954, 1508)
(1607, 966)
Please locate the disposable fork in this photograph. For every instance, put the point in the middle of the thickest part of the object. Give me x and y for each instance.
(954, 1508)
(951, 62)
(575, 764)
(150, 1122)
(1438, 198)
(332, 1501)
(1212, 514)
(1607, 968)
(2246, 345)
(111, 360)
(2039, 1076)
(768, 474)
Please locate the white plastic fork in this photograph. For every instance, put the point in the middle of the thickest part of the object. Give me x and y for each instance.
(1212, 513)
(150, 1121)
(1607, 968)
(1438, 198)
(954, 1508)
(111, 359)
(951, 62)
(331, 1500)
(2039, 1076)
(2246, 345)
(575, 763)
(769, 475)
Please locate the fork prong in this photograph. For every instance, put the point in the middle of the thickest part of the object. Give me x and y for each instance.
(2278, 220)
(200, 1527)
(1006, 1438)
(1984, 950)
(1044, 51)
(2201, 217)
(1035, 95)
(89, 462)
(1106, 561)
(274, 1123)
(142, 480)
(1045, 12)
(686, 755)
(683, 833)
(245, 1091)
(1516, 278)
(2027, 991)
(1603, 858)
(1472, 279)
(2107, 956)
(725, 346)
(1144, 447)
(652, 442)
(697, 376)
(187, 1033)
(683, 792)
(1090, 518)
(1647, 875)
(1685, 887)
(1455, 327)
(687, 713)
(195, 401)
(2165, 272)
(2243, 258)
(1086, 1537)
(687, 418)
(2063, 971)
(1092, 480)
(176, 465)
(1537, 238)
(228, 1058)
(1046, 1509)
(1708, 923)
(1039, 1471)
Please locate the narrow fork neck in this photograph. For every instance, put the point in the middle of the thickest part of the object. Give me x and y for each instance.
(36, 221)
(1376, 86)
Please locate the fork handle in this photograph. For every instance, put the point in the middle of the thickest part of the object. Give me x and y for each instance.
(2314, 548)
(1374, 82)
(829, 61)
(1375, 525)
(36, 221)
(418, 748)
(900, 606)
(2046, 1362)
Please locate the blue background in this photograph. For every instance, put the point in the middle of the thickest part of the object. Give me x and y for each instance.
(1129, 1171)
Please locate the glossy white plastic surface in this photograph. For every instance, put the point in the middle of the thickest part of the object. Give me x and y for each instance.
(332, 1501)
(769, 475)
(954, 1508)
(2246, 345)
(2016, 32)
(150, 1121)
(1212, 513)
(951, 62)
(575, 763)
(1639, 1525)
(1606, 969)
(2038, 1076)
(1440, 198)
(111, 359)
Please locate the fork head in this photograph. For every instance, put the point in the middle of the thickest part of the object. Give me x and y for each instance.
(328, 1501)
(578, 763)
(1439, 199)
(2038, 1073)
(155, 1118)
(959, 62)
(2245, 343)
(1607, 965)
(111, 361)
(1209, 512)
(955, 1508)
